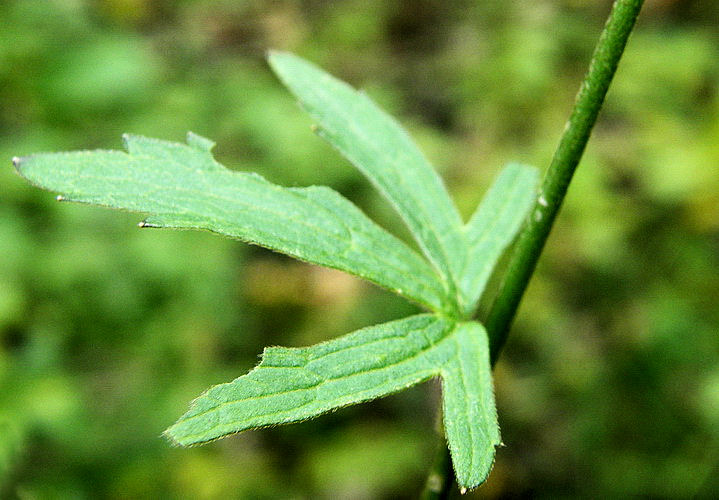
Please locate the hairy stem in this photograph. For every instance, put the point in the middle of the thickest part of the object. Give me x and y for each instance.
(531, 241)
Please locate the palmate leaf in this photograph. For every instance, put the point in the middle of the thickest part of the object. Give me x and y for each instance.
(182, 186)
(379, 147)
(292, 384)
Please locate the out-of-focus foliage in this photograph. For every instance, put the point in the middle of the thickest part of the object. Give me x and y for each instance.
(609, 385)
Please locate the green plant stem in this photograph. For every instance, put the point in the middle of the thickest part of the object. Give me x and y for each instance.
(589, 101)
(531, 241)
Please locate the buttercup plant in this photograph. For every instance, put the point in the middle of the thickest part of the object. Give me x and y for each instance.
(182, 186)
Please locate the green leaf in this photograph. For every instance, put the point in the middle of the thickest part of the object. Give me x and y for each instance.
(470, 414)
(293, 384)
(378, 146)
(182, 186)
(494, 226)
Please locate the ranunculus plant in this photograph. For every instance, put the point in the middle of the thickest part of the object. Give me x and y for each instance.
(180, 185)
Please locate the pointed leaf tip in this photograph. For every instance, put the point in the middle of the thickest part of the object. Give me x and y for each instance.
(274, 54)
(199, 142)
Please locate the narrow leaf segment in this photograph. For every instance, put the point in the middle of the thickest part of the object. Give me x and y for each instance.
(381, 149)
(470, 415)
(494, 226)
(296, 384)
(182, 186)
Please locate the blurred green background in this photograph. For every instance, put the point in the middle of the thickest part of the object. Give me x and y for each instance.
(609, 385)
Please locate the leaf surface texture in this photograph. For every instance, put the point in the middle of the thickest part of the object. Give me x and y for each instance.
(381, 149)
(182, 186)
(494, 226)
(293, 384)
